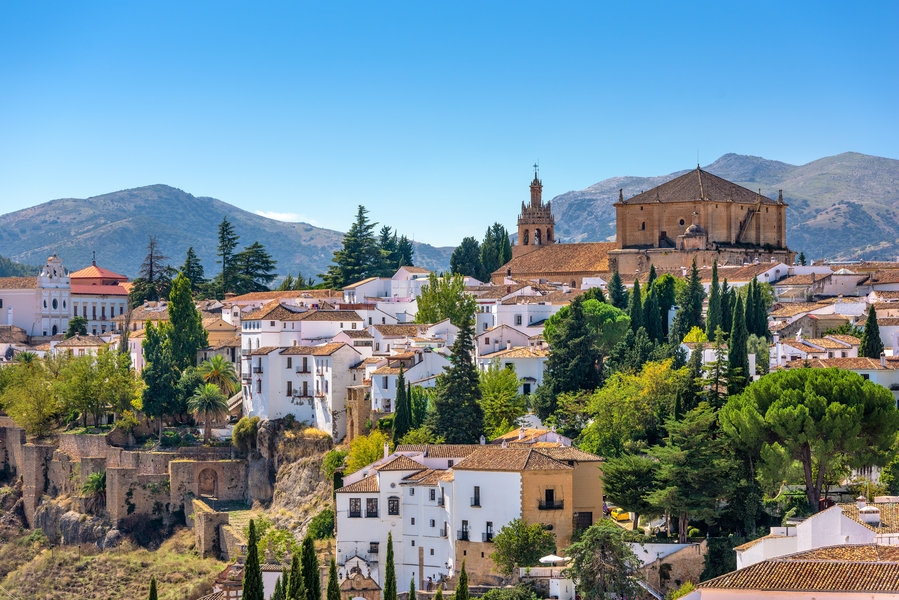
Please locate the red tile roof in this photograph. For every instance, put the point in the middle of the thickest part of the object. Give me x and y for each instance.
(492, 458)
(367, 485)
(400, 463)
(699, 185)
(440, 450)
(18, 283)
(95, 272)
(560, 259)
(98, 290)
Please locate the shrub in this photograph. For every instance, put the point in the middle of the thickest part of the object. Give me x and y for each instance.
(385, 423)
(244, 435)
(322, 525)
(680, 592)
(333, 461)
(692, 532)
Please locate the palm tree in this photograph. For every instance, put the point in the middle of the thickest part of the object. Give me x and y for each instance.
(94, 489)
(211, 403)
(220, 371)
(26, 358)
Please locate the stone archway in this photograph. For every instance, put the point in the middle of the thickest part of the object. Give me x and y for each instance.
(207, 483)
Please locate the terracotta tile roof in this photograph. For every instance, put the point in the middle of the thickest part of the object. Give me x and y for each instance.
(889, 516)
(888, 322)
(329, 315)
(412, 269)
(560, 259)
(232, 342)
(849, 339)
(98, 290)
(887, 276)
(18, 283)
(530, 434)
(426, 477)
(218, 323)
(807, 279)
(800, 346)
(95, 272)
(264, 350)
(827, 343)
(400, 463)
(570, 453)
(323, 350)
(151, 311)
(357, 333)
(699, 185)
(888, 294)
(404, 330)
(495, 292)
(440, 450)
(277, 294)
(367, 485)
(791, 309)
(752, 543)
(852, 364)
(386, 370)
(518, 352)
(847, 568)
(492, 458)
(81, 341)
(554, 297)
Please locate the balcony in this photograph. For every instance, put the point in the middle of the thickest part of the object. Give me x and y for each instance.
(551, 505)
(487, 536)
(443, 532)
(355, 514)
(462, 534)
(257, 369)
(441, 501)
(371, 514)
(245, 376)
(244, 351)
(303, 371)
(476, 501)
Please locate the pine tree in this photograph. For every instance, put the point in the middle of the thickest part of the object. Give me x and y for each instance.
(193, 270)
(333, 592)
(387, 253)
(405, 252)
(715, 373)
(254, 269)
(636, 308)
(871, 344)
(737, 355)
(252, 574)
(357, 258)
(439, 594)
(227, 243)
(466, 259)
(185, 332)
(496, 250)
(651, 279)
(802, 258)
(696, 294)
(152, 595)
(160, 374)
(726, 307)
(462, 586)
(457, 414)
(713, 315)
(402, 417)
(617, 292)
(311, 577)
(389, 571)
(296, 590)
(287, 284)
(652, 317)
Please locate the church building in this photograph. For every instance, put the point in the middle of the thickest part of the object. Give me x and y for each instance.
(695, 216)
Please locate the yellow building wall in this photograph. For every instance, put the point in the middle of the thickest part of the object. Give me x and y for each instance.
(533, 487)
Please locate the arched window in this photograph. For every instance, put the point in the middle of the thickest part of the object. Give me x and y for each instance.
(573, 283)
(55, 330)
(549, 236)
(682, 221)
(536, 237)
(55, 304)
(643, 226)
(525, 238)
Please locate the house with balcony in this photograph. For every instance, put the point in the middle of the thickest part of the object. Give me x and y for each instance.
(421, 366)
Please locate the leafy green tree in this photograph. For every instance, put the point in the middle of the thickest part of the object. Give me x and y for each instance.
(457, 414)
(632, 352)
(737, 357)
(188, 383)
(30, 394)
(692, 390)
(358, 256)
(227, 243)
(692, 471)
(419, 400)
(445, 298)
(79, 386)
(185, 332)
(77, 326)
(618, 294)
(466, 259)
(296, 590)
(716, 374)
(254, 269)
(220, 371)
(628, 480)
(252, 574)
(422, 435)
(333, 592)
(462, 585)
(287, 283)
(311, 577)
(321, 526)
(160, 373)
(603, 564)
(846, 329)
(813, 416)
(713, 314)
(365, 450)
(209, 403)
(608, 324)
(389, 571)
(94, 491)
(193, 270)
(573, 360)
(519, 544)
(402, 417)
(153, 595)
(635, 312)
(689, 300)
(502, 405)
(871, 344)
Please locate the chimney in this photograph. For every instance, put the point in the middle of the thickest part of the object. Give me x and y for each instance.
(482, 440)
(386, 450)
(521, 433)
(883, 360)
(869, 515)
(509, 346)
(860, 502)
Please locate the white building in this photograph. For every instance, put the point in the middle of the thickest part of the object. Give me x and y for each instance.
(421, 367)
(501, 337)
(799, 348)
(308, 382)
(40, 305)
(529, 363)
(98, 295)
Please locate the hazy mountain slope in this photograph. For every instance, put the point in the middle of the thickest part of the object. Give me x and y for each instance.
(840, 206)
(116, 226)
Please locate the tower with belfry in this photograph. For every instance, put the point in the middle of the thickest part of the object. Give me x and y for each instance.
(536, 225)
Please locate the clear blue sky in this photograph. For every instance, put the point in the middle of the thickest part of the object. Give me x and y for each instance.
(429, 113)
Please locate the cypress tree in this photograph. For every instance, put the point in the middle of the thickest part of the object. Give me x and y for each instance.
(439, 594)
(462, 586)
(333, 586)
(726, 307)
(152, 595)
(737, 355)
(186, 334)
(617, 292)
(285, 582)
(457, 414)
(713, 315)
(252, 574)
(296, 590)
(278, 594)
(652, 317)
(695, 296)
(693, 388)
(871, 344)
(402, 418)
(652, 278)
(636, 310)
(749, 307)
(761, 313)
(389, 572)
(412, 588)
(311, 577)
(801, 259)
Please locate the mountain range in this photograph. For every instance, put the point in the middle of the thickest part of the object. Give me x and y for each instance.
(840, 207)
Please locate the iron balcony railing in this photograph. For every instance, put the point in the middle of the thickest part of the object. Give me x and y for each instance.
(550, 505)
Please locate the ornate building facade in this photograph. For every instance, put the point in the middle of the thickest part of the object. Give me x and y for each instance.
(536, 224)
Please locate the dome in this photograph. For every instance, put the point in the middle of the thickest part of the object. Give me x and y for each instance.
(695, 230)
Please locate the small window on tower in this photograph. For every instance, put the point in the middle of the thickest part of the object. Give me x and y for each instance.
(643, 226)
(681, 221)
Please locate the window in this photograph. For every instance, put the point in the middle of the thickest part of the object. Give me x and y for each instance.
(432, 494)
(433, 523)
(681, 221)
(305, 364)
(518, 319)
(643, 226)
(450, 463)
(373, 547)
(412, 493)
(486, 341)
(272, 323)
(413, 521)
(413, 542)
(432, 552)
(258, 386)
(371, 507)
(289, 362)
(393, 505)
(476, 498)
(385, 383)
(290, 388)
(355, 507)
(306, 389)
(354, 326)
(526, 388)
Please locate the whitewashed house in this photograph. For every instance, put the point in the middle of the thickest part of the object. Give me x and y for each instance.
(40, 305)
(528, 361)
(421, 367)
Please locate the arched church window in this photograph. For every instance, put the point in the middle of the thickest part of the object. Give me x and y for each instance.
(525, 237)
(536, 237)
(549, 236)
(55, 330)
(682, 221)
(643, 226)
(55, 304)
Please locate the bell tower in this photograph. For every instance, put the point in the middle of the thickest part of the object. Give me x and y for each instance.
(536, 225)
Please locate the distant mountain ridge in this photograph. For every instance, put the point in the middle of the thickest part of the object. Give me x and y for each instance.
(840, 207)
(117, 225)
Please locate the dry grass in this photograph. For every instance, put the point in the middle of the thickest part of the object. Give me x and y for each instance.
(64, 573)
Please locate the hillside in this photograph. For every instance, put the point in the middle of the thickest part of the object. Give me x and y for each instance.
(116, 226)
(843, 206)
(10, 268)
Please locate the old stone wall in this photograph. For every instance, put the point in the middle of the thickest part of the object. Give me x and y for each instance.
(233, 543)
(672, 571)
(220, 479)
(78, 445)
(207, 527)
(358, 411)
(12, 440)
(130, 494)
(35, 476)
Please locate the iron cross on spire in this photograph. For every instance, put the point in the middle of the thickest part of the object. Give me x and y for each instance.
(536, 166)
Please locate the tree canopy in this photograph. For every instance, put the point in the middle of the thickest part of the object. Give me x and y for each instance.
(445, 297)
